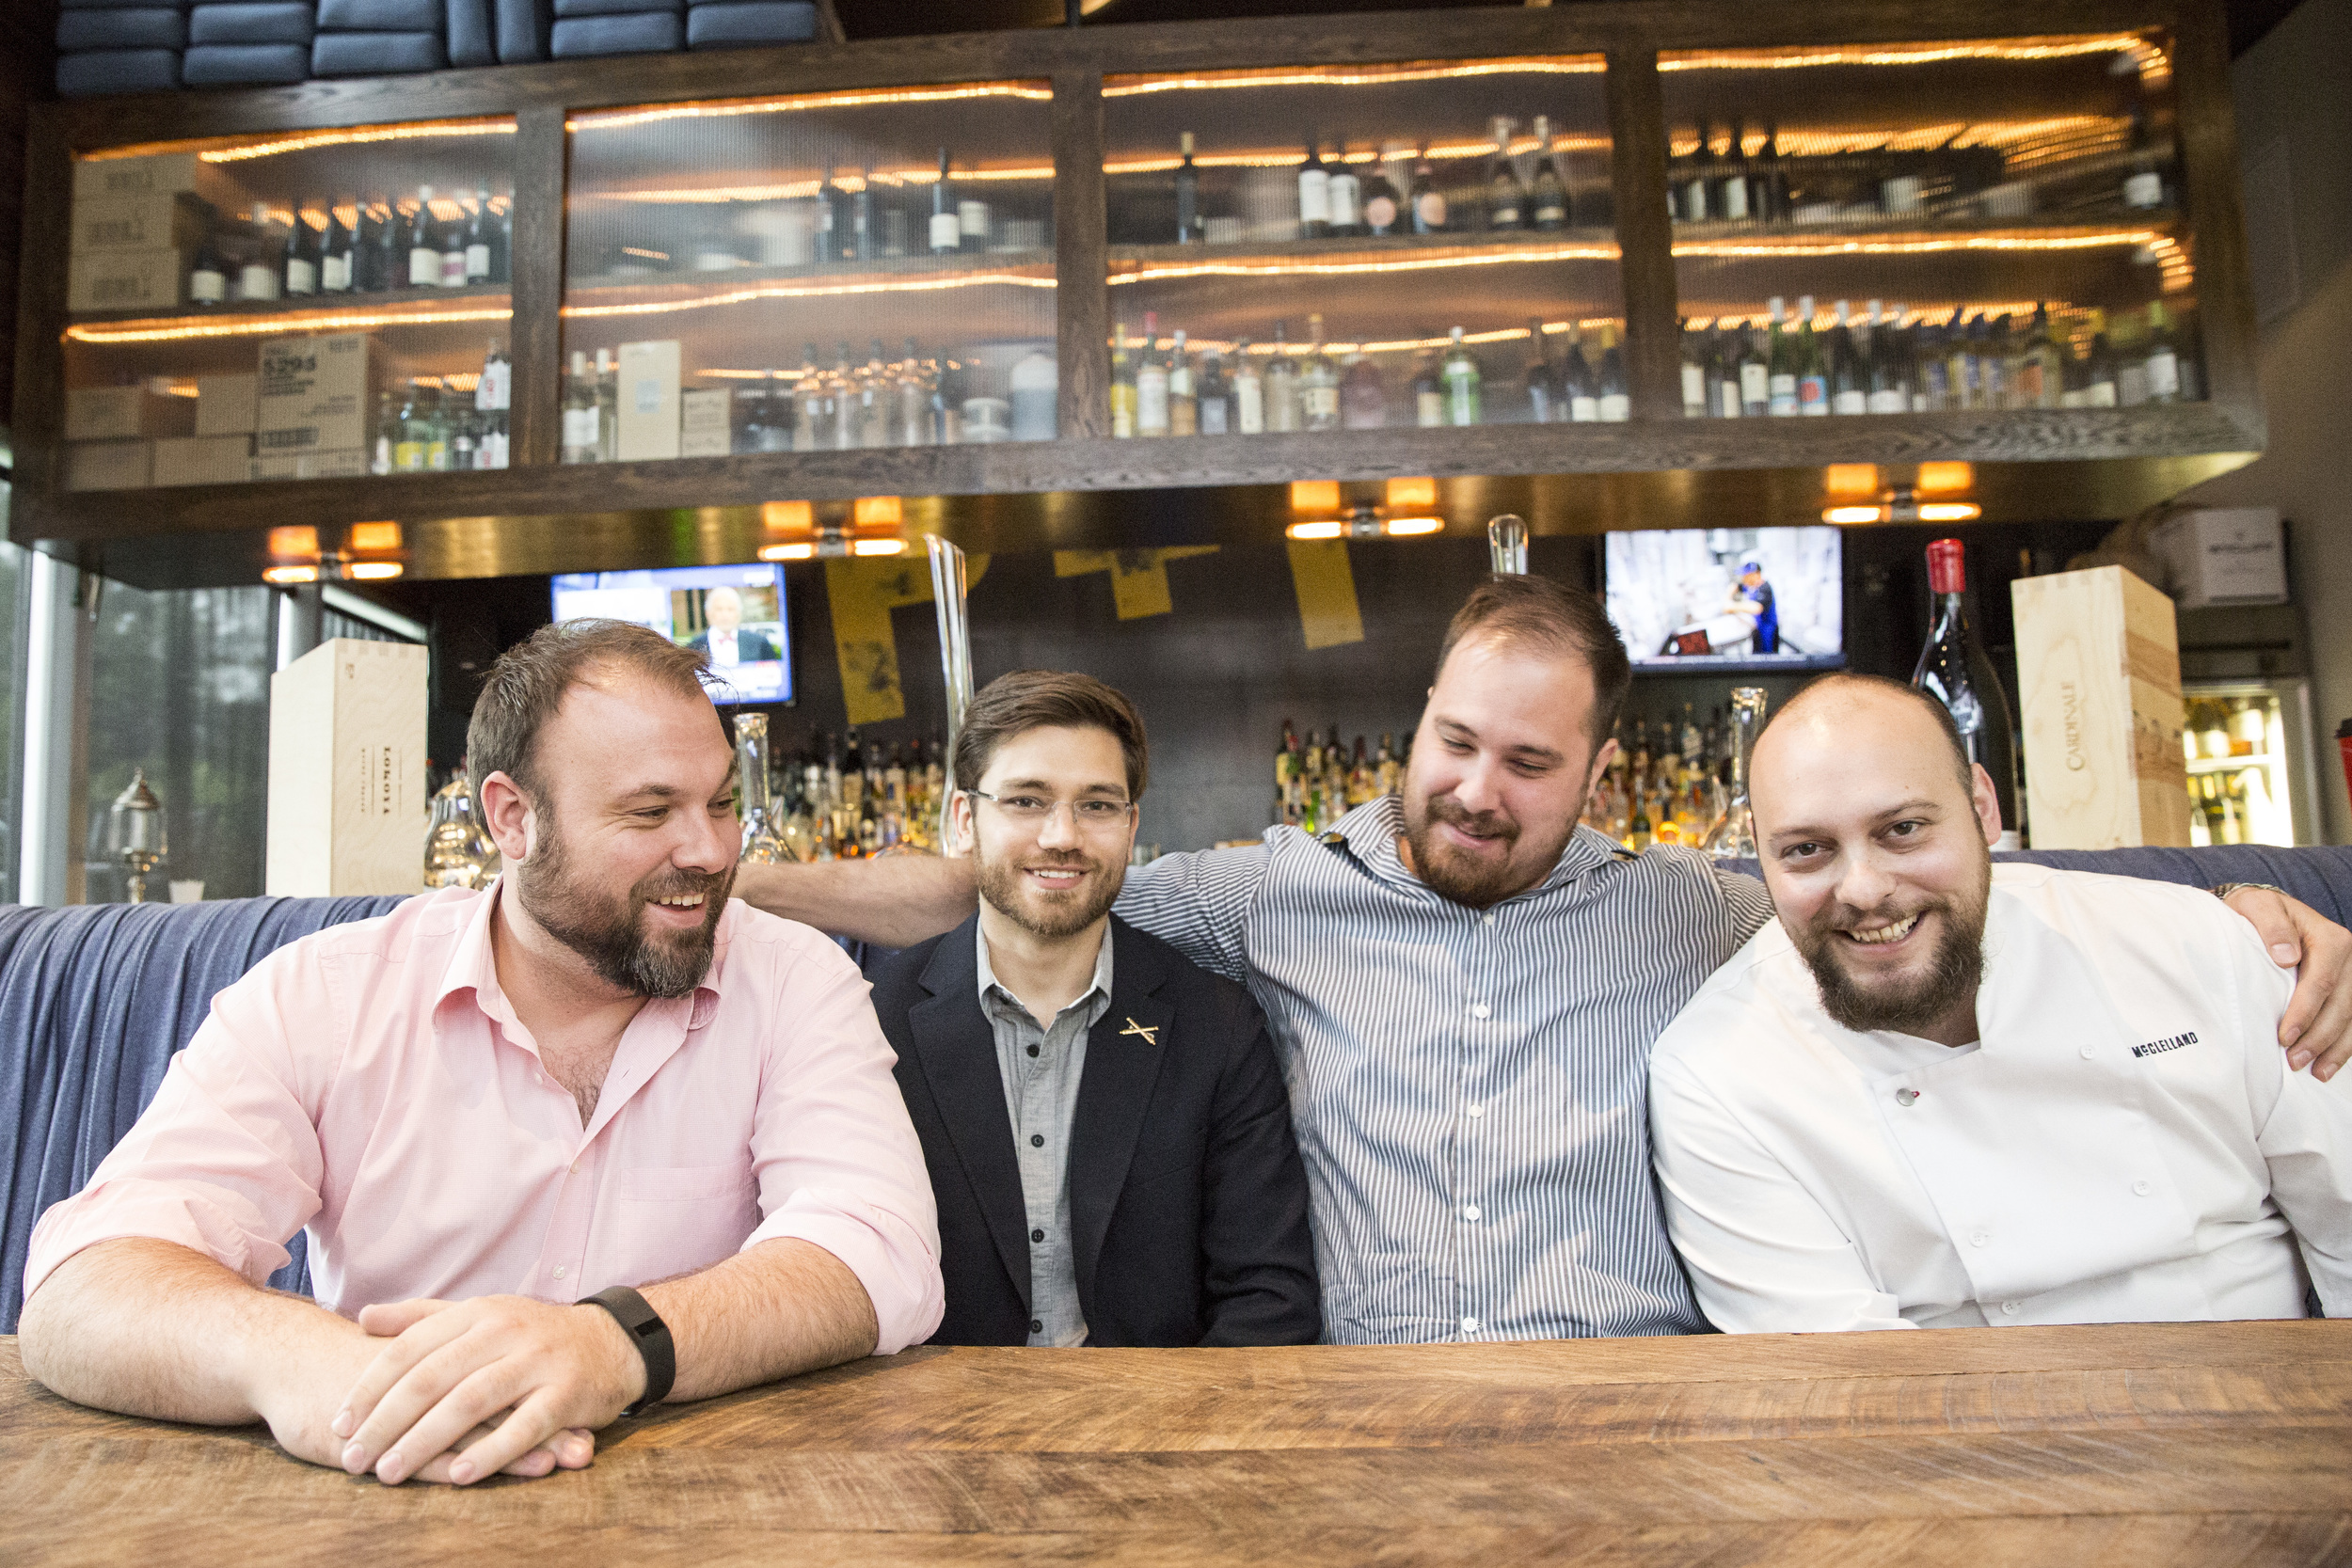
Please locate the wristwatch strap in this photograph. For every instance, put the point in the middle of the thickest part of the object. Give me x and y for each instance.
(649, 1334)
(2228, 888)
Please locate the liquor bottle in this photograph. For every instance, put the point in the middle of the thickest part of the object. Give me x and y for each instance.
(424, 246)
(1812, 376)
(1214, 396)
(812, 416)
(337, 250)
(1314, 194)
(848, 403)
(1318, 383)
(1548, 200)
(1248, 392)
(301, 264)
(1615, 402)
(1188, 225)
(2041, 378)
(1427, 202)
(947, 234)
(1363, 400)
(1696, 179)
(387, 259)
(1953, 669)
(1461, 382)
(410, 433)
(763, 838)
(453, 250)
(1694, 371)
(1122, 385)
(1541, 382)
(1931, 378)
(1767, 182)
(1579, 383)
(1506, 198)
(1962, 381)
(864, 221)
(1756, 374)
(911, 408)
(1889, 374)
(1150, 382)
(1737, 182)
(458, 851)
(502, 243)
(2162, 364)
(972, 221)
(1782, 365)
(1387, 776)
(493, 399)
(1346, 195)
(580, 412)
(2143, 187)
(837, 233)
(1184, 397)
(480, 226)
(1997, 366)
(877, 388)
(608, 406)
(258, 278)
(387, 435)
(1849, 375)
(1723, 374)
(208, 276)
(1384, 204)
(1282, 410)
(1428, 395)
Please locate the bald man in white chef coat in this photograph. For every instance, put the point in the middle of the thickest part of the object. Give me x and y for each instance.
(1936, 1093)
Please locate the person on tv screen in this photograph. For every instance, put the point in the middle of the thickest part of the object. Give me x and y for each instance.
(724, 637)
(1752, 596)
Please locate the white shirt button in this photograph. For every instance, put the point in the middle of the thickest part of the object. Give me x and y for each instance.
(2089, 1052)
(1904, 1097)
(1981, 1238)
(1479, 1010)
(575, 1167)
(1469, 1211)
(1469, 1325)
(2009, 1308)
(2143, 1188)
(560, 1271)
(1476, 1110)
(1485, 919)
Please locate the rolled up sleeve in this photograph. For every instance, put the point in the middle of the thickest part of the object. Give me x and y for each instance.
(836, 1157)
(225, 1161)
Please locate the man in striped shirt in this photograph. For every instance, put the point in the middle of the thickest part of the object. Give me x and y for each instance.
(1464, 985)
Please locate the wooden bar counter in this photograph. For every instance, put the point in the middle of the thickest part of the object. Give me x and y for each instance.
(2188, 1444)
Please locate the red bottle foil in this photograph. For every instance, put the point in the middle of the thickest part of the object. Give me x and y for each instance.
(1948, 572)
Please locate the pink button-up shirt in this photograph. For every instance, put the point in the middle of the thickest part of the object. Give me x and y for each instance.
(372, 1083)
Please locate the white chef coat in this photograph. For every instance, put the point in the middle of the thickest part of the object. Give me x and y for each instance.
(2124, 1143)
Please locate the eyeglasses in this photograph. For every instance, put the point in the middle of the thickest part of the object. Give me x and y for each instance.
(1094, 816)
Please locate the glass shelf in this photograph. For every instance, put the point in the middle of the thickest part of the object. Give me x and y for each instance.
(312, 304)
(2008, 207)
(1431, 222)
(817, 272)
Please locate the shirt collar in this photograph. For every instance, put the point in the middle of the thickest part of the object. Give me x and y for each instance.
(988, 981)
(472, 965)
(1371, 832)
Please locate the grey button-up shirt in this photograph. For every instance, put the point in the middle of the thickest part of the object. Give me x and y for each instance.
(1040, 1066)
(1469, 1086)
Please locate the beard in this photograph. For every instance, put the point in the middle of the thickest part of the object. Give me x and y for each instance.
(1463, 878)
(610, 933)
(1001, 885)
(1905, 1004)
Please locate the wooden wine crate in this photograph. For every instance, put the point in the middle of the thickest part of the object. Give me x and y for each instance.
(346, 770)
(2099, 692)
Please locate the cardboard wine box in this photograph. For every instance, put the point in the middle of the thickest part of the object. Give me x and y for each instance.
(157, 220)
(648, 425)
(203, 460)
(154, 174)
(125, 279)
(123, 413)
(312, 394)
(343, 462)
(225, 405)
(2099, 692)
(703, 422)
(346, 770)
(109, 465)
(2225, 556)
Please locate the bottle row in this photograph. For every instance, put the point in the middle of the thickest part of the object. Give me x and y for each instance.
(438, 426)
(347, 247)
(1889, 362)
(1538, 184)
(1740, 181)
(1669, 784)
(1157, 391)
(837, 799)
(916, 399)
(1318, 783)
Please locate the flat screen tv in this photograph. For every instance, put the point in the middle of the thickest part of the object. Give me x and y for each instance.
(733, 613)
(1739, 600)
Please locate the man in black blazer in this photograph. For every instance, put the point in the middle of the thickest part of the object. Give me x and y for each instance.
(724, 637)
(1106, 1124)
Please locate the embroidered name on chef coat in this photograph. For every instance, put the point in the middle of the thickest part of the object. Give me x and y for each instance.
(2171, 1042)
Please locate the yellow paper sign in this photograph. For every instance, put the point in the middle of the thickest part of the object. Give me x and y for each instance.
(861, 590)
(1327, 612)
(1139, 577)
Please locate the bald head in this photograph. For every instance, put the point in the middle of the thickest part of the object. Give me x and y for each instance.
(1831, 700)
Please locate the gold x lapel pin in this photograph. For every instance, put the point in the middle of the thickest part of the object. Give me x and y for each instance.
(1151, 1035)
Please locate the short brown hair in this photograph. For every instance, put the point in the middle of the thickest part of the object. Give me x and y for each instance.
(1027, 700)
(527, 685)
(1515, 606)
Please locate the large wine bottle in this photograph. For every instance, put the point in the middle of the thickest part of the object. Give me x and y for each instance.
(1954, 670)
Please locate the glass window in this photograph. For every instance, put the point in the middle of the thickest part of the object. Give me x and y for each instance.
(12, 616)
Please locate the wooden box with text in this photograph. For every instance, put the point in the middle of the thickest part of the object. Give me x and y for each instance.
(2099, 697)
(346, 770)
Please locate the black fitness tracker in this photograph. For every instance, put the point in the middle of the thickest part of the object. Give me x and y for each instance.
(649, 1334)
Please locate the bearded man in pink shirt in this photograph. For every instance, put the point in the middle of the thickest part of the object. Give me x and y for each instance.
(593, 1136)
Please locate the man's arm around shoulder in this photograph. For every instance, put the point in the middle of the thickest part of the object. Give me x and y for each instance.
(1259, 1250)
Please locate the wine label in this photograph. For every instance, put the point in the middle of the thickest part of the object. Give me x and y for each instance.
(408, 457)
(1615, 406)
(1851, 403)
(1211, 415)
(1380, 214)
(425, 268)
(579, 428)
(453, 269)
(946, 231)
(2163, 374)
(1889, 400)
(1695, 201)
(1728, 400)
(1122, 411)
(2144, 189)
(477, 263)
(1152, 404)
(1551, 214)
(302, 277)
(1507, 215)
(335, 274)
(1755, 389)
(1693, 390)
(972, 221)
(1584, 410)
(1782, 397)
(255, 282)
(1321, 406)
(1429, 210)
(1812, 395)
(1429, 408)
(1735, 200)
(1314, 195)
(206, 287)
(496, 389)
(1343, 198)
(1249, 405)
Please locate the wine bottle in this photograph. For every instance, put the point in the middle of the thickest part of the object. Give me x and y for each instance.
(1183, 396)
(580, 412)
(1363, 400)
(1427, 202)
(479, 228)
(1428, 395)
(1812, 376)
(1696, 179)
(1781, 372)
(2043, 380)
(1616, 404)
(1890, 375)
(864, 221)
(1189, 229)
(424, 248)
(1150, 382)
(1248, 392)
(258, 278)
(1848, 377)
(1548, 200)
(502, 243)
(1282, 410)
(1506, 198)
(1694, 371)
(1346, 195)
(1953, 669)
(1314, 194)
(1756, 375)
(453, 250)
(493, 397)
(1462, 378)
(1578, 389)
(208, 277)
(1318, 383)
(1122, 385)
(608, 390)
(337, 266)
(947, 234)
(2163, 362)
(388, 265)
(1214, 397)
(301, 264)
(1738, 180)
(1384, 204)
(1542, 383)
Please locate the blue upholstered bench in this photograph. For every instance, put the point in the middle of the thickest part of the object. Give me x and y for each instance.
(93, 1001)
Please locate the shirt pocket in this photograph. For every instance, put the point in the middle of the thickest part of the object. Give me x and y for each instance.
(675, 1219)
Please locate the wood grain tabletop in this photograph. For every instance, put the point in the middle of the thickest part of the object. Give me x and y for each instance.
(2146, 1445)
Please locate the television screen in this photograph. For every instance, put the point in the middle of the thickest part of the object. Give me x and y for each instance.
(1728, 598)
(733, 613)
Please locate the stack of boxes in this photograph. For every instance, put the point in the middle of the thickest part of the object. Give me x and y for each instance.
(137, 224)
(311, 405)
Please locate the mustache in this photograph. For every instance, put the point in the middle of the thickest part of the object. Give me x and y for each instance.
(672, 882)
(1485, 824)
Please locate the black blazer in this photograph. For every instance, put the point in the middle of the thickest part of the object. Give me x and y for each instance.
(1186, 1193)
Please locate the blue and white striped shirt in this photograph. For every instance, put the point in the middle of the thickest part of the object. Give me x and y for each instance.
(1469, 1086)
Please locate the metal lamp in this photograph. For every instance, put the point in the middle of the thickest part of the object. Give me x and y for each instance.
(134, 833)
